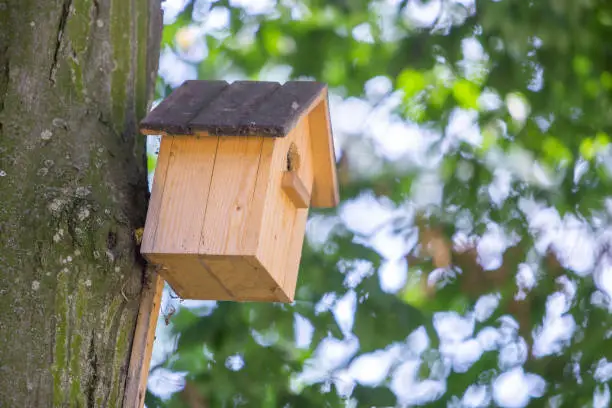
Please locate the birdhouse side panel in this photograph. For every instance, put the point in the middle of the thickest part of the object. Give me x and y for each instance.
(303, 151)
(279, 218)
(185, 194)
(155, 201)
(305, 172)
(231, 224)
(325, 192)
(234, 218)
(294, 254)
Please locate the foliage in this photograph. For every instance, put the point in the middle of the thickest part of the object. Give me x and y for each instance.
(512, 101)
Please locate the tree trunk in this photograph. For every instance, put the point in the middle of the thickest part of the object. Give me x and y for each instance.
(75, 78)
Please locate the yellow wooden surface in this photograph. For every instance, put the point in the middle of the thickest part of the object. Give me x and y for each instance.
(155, 201)
(306, 172)
(294, 254)
(228, 213)
(302, 138)
(142, 345)
(279, 212)
(295, 189)
(189, 278)
(325, 190)
(185, 195)
(244, 278)
(219, 219)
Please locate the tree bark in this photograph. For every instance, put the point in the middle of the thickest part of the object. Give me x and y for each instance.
(76, 76)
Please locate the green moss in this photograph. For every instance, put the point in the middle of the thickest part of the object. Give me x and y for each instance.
(121, 348)
(81, 301)
(62, 367)
(113, 308)
(141, 80)
(122, 338)
(58, 368)
(114, 313)
(76, 396)
(77, 76)
(122, 58)
(77, 37)
(78, 24)
(57, 386)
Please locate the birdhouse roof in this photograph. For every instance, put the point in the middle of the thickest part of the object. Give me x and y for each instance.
(257, 108)
(238, 109)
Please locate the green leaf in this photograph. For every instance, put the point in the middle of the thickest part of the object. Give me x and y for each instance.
(374, 396)
(582, 65)
(556, 150)
(466, 93)
(587, 148)
(151, 162)
(411, 82)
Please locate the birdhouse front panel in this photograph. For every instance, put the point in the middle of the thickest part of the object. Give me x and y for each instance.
(239, 165)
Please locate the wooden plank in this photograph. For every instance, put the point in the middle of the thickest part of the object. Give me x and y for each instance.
(254, 108)
(280, 113)
(306, 173)
(244, 278)
(279, 212)
(173, 114)
(242, 108)
(325, 192)
(298, 182)
(301, 139)
(294, 254)
(142, 344)
(155, 202)
(185, 195)
(295, 189)
(227, 222)
(232, 111)
(191, 279)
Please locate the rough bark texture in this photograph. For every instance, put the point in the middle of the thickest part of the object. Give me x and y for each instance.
(75, 78)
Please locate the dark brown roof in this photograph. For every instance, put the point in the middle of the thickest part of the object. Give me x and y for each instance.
(242, 108)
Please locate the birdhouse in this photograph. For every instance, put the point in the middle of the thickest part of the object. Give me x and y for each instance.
(238, 167)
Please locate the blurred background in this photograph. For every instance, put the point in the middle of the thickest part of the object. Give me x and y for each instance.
(469, 263)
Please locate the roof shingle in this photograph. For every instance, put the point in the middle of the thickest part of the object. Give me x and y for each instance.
(241, 108)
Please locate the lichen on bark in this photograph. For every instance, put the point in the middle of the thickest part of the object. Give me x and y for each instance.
(74, 81)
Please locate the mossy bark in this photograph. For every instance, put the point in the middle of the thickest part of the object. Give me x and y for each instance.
(75, 78)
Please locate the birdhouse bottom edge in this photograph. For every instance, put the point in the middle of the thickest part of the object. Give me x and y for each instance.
(240, 278)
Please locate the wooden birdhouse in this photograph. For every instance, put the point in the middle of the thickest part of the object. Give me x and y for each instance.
(238, 167)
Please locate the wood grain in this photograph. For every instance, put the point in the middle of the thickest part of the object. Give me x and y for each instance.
(155, 202)
(302, 137)
(325, 192)
(257, 108)
(295, 189)
(294, 254)
(228, 211)
(189, 278)
(233, 111)
(185, 197)
(175, 113)
(227, 218)
(280, 113)
(144, 337)
(279, 212)
(244, 278)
